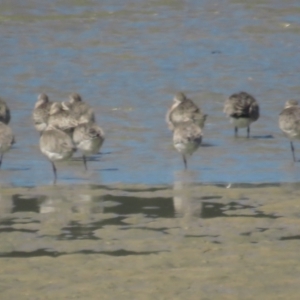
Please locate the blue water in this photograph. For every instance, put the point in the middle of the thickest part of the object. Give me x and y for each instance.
(127, 59)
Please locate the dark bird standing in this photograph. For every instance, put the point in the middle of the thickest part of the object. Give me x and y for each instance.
(243, 109)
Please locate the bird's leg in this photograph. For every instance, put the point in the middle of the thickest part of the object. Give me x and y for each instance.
(235, 131)
(1, 160)
(84, 162)
(293, 151)
(184, 161)
(248, 132)
(54, 172)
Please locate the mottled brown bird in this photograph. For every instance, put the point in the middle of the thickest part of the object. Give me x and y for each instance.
(289, 122)
(57, 146)
(80, 110)
(184, 110)
(6, 139)
(243, 109)
(41, 111)
(187, 137)
(61, 118)
(88, 138)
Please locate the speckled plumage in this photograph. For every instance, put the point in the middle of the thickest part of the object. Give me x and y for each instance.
(6, 139)
(243, 109)
(41, 111)
(61, 118)
(88, 138)
(187, 138)
(289, 122)
(80, 110)
(56, 145)
(184, 110)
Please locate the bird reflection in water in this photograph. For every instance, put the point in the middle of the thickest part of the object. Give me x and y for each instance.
(185, 202)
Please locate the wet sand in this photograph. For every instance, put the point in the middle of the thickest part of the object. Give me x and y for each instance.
(216, 243)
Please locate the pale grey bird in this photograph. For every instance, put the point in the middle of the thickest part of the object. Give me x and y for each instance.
(41, 111)
(243, 109)
(6, 139)
(57, 146)
(81, 111)
(88, 138)
(4, 112)
(184, 110)
(289, 122)
(61, 118)
(187, 138)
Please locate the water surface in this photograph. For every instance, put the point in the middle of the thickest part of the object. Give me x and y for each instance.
(127, 59)
(136, 223)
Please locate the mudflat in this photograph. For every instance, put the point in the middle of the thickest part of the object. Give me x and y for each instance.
(143, 242)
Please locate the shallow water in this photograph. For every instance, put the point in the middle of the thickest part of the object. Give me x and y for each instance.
(136, 223)
(127, 59)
